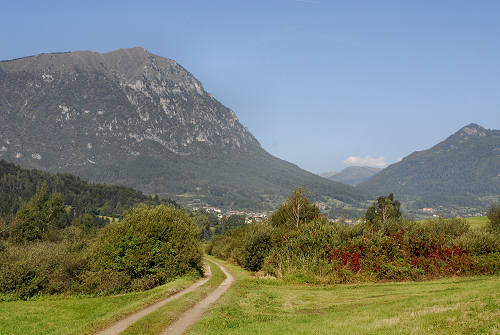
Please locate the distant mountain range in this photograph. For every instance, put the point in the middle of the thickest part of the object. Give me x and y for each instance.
(461, 171)
(353, 175)
(137, 119)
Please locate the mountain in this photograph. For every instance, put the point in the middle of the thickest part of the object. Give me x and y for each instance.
(463, 170)
(328, 174)
(353, 175)
(134, 118)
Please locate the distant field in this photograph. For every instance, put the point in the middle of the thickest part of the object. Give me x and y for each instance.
(76, 315)
(474, 222)
(264, 306)
(478, 221)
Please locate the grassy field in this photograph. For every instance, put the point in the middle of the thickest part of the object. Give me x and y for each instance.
(475, 222)
(266, 306)
(478, 221)
(76, 314)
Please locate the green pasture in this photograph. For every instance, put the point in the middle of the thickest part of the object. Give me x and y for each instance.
(66, 315)
(468, 305)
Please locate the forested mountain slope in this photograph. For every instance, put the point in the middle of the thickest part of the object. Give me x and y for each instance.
(19, 185)
(463, 170)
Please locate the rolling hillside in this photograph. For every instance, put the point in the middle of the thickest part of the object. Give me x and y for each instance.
(463, 170)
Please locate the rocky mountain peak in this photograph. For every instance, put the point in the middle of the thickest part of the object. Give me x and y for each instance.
(125, 98)
(472, 130)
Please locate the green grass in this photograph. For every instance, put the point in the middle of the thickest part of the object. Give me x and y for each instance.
(475, 222)
(77, 314)
(265, 306)
(155, 322)
(478, 221)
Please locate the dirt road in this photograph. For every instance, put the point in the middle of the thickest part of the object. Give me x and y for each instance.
(189, 317)
(121, 325)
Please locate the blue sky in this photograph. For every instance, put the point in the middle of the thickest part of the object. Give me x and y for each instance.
(315, 81)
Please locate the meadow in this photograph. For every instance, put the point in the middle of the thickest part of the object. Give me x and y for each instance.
(457, 305)
(70, 314)
(86, 314)
(477, 222)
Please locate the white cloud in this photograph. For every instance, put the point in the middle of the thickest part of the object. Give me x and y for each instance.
(365, 161)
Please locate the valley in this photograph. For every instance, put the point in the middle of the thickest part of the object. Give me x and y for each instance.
(135, 200)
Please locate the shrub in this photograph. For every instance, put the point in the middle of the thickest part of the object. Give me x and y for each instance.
(389, 248)
(478, 242)
(256, 249)
(494, 217)
(149, 247)
(43, 267)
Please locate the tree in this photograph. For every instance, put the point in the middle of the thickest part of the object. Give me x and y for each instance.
(494, 216)
(295, 211)
(35, 217)
(152, 245)
(384, 209)
(230, 222)
(3, 229)
(84, 221)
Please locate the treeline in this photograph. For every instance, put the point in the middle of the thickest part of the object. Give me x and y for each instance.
(298, 243)
(40, 254)
(18, 185)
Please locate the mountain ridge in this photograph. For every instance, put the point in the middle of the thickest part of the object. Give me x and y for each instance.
(141, 120)
(353, 175)
(460, 171)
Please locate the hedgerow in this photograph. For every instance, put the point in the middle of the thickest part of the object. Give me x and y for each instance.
(384, 248)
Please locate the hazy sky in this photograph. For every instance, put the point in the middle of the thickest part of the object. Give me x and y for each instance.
(319, 83)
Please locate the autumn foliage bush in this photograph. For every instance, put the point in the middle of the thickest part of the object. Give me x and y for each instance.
(316, 250)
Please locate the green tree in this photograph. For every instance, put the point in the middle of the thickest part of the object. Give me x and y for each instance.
(230, 222)
(384, 209)
(152, 245)
(295, 211)
(41, 213)
(207, 222)
(3, 229)
(494, 216)
(84, 221)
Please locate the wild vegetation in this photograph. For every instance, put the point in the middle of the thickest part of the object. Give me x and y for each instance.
(299, 244)
(41, 254)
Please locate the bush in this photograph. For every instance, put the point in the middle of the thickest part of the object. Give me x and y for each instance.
(256, 249)
(494, 217)
(150, 247)
(387, 248)
(479, 242)
(43, 267)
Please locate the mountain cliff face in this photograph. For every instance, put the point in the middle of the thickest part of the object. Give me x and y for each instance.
(141, 120)
(463, 170)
